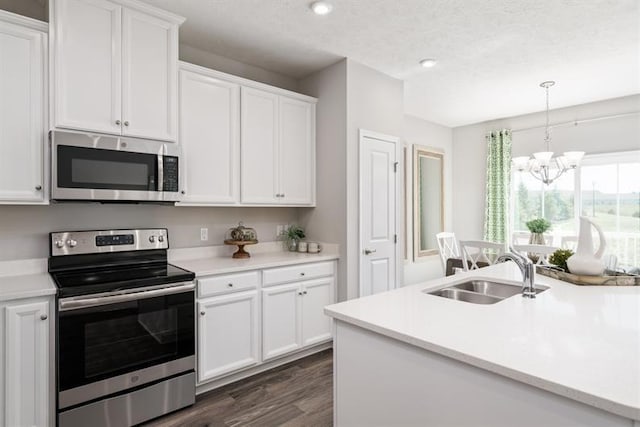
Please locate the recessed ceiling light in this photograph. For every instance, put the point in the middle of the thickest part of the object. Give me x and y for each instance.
(428, 63)
(321, 7)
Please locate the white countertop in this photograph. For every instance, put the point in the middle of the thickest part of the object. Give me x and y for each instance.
(217, 260)
(25, 279)
(582, 342)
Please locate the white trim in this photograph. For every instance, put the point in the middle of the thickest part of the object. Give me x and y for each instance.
(14, 18)
(151, 10)
(182, 65)
(363, 133)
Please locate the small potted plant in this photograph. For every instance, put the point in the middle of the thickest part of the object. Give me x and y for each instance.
(537, 227)
(292, 236)
(559, 258)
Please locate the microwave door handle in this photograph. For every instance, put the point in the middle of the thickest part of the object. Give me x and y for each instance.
(75, 304)
(160, 172)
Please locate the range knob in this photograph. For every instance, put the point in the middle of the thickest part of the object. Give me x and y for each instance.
(161, 238)
(72, 243)
(152, 239)
(59, 244)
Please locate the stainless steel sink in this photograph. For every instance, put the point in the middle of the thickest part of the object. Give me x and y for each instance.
(466, 296)
(479, 291)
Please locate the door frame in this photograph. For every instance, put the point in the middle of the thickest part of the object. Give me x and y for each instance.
(399, 172)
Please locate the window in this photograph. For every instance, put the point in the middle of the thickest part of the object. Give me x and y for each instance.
(605, 186)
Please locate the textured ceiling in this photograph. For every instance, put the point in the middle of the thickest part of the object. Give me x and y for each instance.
(492, 54)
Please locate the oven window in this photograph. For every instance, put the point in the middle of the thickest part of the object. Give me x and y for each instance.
(96, 343)
(94, 168)
(124, 342)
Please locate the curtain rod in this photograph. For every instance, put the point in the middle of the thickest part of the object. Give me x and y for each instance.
(577, 122)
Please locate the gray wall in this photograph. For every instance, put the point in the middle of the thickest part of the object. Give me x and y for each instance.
(469, 149)
(327, 222)
(24, 229)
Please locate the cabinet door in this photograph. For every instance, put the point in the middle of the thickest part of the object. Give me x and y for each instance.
(281, 332)
(87, 65)
(149, 76)
(316, 326)
(259, 151)
(26, 344)
(22, 95)
(296, 151)
(228, 334)
(210, 138)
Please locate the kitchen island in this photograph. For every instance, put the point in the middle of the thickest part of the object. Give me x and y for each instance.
(570, 357)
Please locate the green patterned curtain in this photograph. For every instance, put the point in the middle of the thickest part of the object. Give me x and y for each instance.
(498, 181)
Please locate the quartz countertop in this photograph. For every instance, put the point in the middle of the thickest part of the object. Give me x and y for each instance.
(25, 279)
(581, 342)
(217, 260)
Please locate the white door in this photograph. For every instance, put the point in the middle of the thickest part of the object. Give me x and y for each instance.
(228, 334)
(297, 150)
(149, 76)
(280, 320)
(316, 295)
(259, 150)
(22, 114)
(87, 65)
(378, 216)
(210, 139)
(26, 348)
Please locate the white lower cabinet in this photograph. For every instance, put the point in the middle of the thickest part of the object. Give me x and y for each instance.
(26, 370)
(273, 309)
(293, 316)
(228, 334)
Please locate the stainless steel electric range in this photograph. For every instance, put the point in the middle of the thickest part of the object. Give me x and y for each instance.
(125, 327)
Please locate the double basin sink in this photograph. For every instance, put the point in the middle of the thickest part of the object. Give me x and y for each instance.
(481, 291)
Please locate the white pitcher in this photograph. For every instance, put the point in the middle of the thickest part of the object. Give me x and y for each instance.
(585, 261)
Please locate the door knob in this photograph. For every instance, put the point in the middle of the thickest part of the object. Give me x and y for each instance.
(369, 251)
(43, 317)
(118, 122)
(126, 123)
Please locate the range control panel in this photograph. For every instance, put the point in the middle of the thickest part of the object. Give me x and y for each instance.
(98, 241)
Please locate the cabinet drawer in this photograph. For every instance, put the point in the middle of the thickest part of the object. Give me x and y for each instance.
(297, 273)
(216, 285)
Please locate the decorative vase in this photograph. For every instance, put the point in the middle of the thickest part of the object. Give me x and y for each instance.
(292, 245)
(585, 261)
(535, 239)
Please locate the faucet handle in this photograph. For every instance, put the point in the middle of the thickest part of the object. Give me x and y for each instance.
(518, 255)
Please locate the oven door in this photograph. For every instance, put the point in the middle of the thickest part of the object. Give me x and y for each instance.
(112, 343)
(103, 168)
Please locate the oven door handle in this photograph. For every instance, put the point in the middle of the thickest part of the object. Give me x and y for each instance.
(78, 303)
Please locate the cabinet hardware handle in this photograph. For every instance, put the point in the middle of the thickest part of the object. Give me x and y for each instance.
(43, 317)
(230, 285)
(299, 293)
(369, 251)
(126, 123)
(118, 122)
(38, 187)
(183, 192)
(202, 313)
(302, 274)
(304, 292)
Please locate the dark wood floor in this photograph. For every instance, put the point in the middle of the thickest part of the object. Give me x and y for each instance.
(297, 394)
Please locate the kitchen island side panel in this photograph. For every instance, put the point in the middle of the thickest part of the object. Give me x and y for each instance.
(381, 381)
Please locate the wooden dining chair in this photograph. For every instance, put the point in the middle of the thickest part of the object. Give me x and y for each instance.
(448, 247)
(539, 254)
(479, 253)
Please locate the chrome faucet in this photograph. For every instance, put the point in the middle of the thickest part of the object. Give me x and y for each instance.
(526, 268)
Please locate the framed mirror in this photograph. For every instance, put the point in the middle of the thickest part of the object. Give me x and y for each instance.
(428, 203)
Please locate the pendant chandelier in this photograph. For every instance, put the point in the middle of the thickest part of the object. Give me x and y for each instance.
(543, 166)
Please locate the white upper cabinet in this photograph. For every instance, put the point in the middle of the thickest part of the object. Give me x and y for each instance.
(22, 109)
(278, 149)
(210, 138)
(149, 76)
(259, 150)
(296, 151)
(114, 68)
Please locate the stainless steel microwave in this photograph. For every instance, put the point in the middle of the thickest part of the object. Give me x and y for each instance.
(95, 167)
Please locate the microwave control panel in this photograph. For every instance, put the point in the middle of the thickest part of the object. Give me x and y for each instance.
(170, 166)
